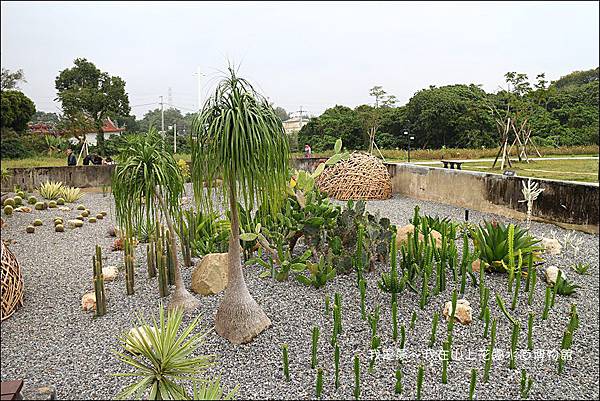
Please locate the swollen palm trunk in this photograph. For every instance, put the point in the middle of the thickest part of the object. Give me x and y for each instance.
(239, 318)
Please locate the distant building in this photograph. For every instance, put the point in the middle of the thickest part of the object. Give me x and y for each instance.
(294, 124)
(42, 129)
(109, 128)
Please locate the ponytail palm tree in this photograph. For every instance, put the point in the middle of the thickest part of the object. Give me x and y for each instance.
(238, 140)
(147, 181)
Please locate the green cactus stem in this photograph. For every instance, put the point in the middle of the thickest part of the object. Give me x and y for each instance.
(286, 362)
(314, 347)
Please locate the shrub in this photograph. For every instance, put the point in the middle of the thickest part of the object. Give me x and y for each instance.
(51, 190)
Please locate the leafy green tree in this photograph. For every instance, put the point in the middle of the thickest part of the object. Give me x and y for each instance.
(85, 89)
(282, 113)
(577, 78)
(16, 110)
(10, 80)
(239, 141)
(43, 117)
(336, 122)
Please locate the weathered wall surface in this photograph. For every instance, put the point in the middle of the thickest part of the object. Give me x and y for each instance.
(575, 205)
(76, 176)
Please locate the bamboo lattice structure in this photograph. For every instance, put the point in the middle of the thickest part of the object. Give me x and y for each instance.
(361, 176)
(12, 283)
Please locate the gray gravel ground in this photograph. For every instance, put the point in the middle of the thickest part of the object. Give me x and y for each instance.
(51, 341)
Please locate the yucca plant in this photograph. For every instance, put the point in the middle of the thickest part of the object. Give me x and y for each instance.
(492, 242)
(161, 354)
(581, 268)
(565, 287)
(212, 390)
(70, 194)
(239, 141)
(51, 190)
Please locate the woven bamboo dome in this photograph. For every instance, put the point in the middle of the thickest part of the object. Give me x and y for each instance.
(361, 176)
(12, 283)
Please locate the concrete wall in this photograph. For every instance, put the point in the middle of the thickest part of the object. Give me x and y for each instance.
(76, 176)
(572, 205)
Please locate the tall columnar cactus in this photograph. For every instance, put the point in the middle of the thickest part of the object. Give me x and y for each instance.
(424, 291)
(445, 359)
(530, 331)
(490, 353)
(531, 278)
(413, 320)
(453, 313)
(513, 345)
(319, 384)
(338, 304)
(434, 325)
(186, 246)
(314, 347)
(356, 377)
(363, 288)
(481, 283)
(486, 320)
(358, 257)
(402, 336)
(526, 383)
(567, 340)
(327, 309)
(555, 288)
(529, 270)
(99, 282)
(129, 260)
(151, 258)
(375, 340)
(484, 304)
(473, 383)
(336, 362)
(394, 321)
(420, 376)
(170, 266)
(398, 385)
(547, 303)
(286, 362)
(518, 282)
(511, 257)
(161, 263)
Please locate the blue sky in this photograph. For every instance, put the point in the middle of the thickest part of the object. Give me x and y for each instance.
(308, 54)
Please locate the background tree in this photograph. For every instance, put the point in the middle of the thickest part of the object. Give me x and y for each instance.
(239, 139)
(85, 89)
(282, 113)
(336, 122)
(16, 110)
(10, 80)
(44, 117)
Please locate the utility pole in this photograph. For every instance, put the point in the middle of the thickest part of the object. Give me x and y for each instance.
(162, 116)
(174, 138)
(199, 73)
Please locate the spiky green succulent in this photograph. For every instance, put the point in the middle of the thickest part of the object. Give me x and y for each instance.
(18, 200)
(71, 194)
(39, 205)
(492, 241)
(37, 222)
(32, 200)
(51, 190)
(8, 210)
(9, 202)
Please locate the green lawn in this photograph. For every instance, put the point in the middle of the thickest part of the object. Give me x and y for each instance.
(570, 170)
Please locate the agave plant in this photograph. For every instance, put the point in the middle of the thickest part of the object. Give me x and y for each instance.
(51, 190)
(163, 359)
(492, 241)
(70, 194)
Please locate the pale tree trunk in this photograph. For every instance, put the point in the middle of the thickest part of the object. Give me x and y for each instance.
(181, 297)
(239, 318)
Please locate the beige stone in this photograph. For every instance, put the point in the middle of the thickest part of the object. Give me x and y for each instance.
(210, 275)
(551, 246)
(402, 235)
(476, 265)
(137, 333)
(463, 311)
(551, 274)
(64, 208)
(88, 301)
(110, 273)
(23, 209)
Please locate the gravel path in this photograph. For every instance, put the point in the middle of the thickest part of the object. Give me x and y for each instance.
(51, 341)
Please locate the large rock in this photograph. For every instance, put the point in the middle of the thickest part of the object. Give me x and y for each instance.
(551, 274)
(476, 265)
(402, 235)
(210, 275)
(110, 273)
(88, 301)
(551, 246)
(463, 311)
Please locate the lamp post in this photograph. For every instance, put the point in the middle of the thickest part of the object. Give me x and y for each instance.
(410, 138)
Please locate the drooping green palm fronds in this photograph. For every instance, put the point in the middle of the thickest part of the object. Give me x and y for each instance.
(239, 139)
(144, 174)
